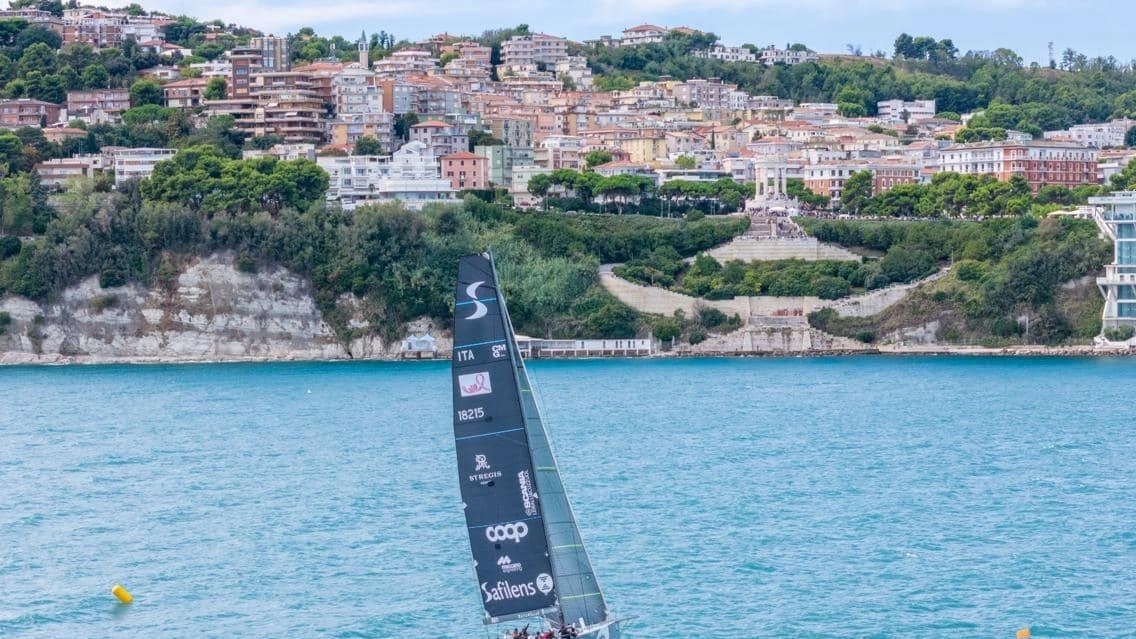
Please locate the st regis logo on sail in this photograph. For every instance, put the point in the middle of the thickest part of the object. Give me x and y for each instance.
(507, 532)
(475, 384)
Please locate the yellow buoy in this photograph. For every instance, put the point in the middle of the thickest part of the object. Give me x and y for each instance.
(1024, 633)
(122, 594)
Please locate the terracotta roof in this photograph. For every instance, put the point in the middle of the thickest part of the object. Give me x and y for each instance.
(433, 124)
(463, 155)
(644, 27)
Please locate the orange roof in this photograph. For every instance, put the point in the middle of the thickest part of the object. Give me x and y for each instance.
(463, 155)
(644, 27)
(429, 123)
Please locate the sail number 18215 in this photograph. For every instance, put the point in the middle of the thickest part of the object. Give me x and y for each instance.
(470, 414)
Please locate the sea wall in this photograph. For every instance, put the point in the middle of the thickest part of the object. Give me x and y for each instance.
(212, 312)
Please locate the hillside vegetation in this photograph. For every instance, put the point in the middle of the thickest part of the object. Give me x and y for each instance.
(401, 264)
(1007, 275)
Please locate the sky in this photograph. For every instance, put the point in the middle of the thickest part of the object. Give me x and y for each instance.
(1093, 27)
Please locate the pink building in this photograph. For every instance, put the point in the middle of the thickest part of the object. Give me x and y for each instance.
(466, 171)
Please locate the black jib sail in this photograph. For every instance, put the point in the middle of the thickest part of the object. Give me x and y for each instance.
(498, 486)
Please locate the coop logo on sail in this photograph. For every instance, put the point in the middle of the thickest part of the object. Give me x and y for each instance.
(528, 495)
(514, 532)
(507, 565)
(474, 384)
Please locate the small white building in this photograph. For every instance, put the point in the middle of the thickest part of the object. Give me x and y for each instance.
(414, 178)
(906, 111)
(136, 164)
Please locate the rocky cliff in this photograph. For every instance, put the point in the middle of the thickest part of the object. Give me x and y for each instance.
(213, 312)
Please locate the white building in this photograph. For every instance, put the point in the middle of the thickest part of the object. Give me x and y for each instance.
(642, 34)
(901, 111)
(1107, 135)
(354, 180)
(1118, 213)
(727, 54)
(533, 49)
(414, 178)
(136, 164)
(771, 55)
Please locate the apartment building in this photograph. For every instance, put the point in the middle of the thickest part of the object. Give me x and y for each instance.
(727, 54)
(1041, 163)
(466, 171)
(405, 62)
(771, 55)
(275, 53)
(110, 101)
(345, 129)
(57, 172)
(185, 94)
(828, 177)
(533, 49)
(136, 164)
(20, 112)
(502, 159)
(1099, 136)
(442, 138)
(642, 34)
(906, 111)
(513, 131)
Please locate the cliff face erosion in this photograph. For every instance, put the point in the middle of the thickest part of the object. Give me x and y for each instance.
(214, 312)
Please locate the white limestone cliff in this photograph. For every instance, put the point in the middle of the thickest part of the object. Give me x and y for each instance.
(214, 312)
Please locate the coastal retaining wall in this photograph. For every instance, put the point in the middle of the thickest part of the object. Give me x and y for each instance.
(660, 301)
(213, 312)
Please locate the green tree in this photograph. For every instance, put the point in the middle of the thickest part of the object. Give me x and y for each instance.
(857, 192)
(217, 89)
(367, 145)
(596, 158)
(402, 124)
(145, 92)
(94, 76)
(686, 162)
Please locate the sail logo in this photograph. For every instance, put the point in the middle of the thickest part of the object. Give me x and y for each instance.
(479, 310)
(507, 532)
(503, 591)
(544, 582)
(483, 472)
(528, 495)
(474, 384)
(507, 565)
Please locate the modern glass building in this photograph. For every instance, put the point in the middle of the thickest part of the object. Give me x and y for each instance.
(1118, 212)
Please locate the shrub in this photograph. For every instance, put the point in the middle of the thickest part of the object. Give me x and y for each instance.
(245, 263)
(112, 277)
(1118, 334)
(969, 270)
(103, 302)
(9, 246)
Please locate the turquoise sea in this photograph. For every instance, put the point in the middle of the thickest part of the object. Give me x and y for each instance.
(842, 497)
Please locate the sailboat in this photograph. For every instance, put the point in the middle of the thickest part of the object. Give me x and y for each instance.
(527, 551)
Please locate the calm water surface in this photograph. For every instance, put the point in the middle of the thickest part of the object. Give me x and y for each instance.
(853, 497)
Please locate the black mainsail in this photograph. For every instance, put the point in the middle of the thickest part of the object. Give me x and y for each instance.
(527, 549)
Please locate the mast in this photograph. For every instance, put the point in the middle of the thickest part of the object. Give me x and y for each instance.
(495, 467)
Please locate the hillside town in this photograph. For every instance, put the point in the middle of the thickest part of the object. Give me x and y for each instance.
(424, 121)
